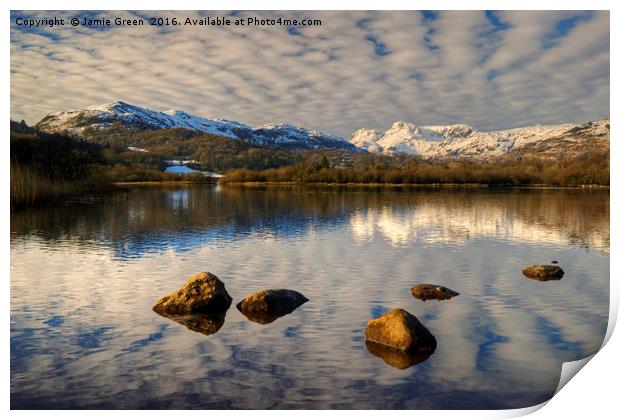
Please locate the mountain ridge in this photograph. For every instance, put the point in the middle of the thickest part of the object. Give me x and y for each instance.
(100, 117)
(463, 141)
(451, 141)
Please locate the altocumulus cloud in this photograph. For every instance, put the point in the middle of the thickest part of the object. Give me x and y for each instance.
(362, 69)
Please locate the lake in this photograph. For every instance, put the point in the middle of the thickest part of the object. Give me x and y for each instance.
(84, 276)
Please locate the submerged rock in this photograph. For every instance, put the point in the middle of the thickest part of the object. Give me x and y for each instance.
(266, 306)
(400, 330)
(206, 324)
(201, 293)
(432, 291)
(398, 358)
(543, 272)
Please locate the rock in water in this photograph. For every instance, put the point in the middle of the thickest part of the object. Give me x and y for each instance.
(543, 272)
(266, 306)
(400, 330)
(398, 358)
(432, 291)
(201, 293)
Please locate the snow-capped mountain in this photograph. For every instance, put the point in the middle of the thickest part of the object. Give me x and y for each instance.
(99, 117)
(462, 141)
(286, 136)
(458, 141)
(366, 139)
(104, 116)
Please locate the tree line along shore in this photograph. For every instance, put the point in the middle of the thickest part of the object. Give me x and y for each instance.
(51, 167)
(590, 170)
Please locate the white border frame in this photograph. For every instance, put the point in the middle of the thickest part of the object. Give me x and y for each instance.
(592, 394)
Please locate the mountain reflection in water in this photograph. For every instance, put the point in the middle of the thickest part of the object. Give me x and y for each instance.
(84, 277)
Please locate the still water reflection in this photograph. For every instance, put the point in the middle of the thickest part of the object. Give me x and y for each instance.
(84, 277)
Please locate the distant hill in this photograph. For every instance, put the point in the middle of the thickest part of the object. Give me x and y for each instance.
(85, 122)
(210, 152)
(564, 141)
(141, 128)
(21, 127)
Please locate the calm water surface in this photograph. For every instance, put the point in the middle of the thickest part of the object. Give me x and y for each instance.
(84, 277)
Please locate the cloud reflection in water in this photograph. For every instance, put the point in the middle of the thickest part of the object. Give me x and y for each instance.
(500, 344)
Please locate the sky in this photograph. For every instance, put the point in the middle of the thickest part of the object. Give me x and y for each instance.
(491, 69)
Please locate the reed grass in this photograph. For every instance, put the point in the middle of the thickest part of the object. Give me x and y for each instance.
(29, 188)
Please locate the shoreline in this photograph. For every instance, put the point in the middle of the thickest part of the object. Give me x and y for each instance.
(389, 185)
(118, 186)
(157, 183)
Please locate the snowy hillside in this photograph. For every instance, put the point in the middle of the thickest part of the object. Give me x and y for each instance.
(462, 141)
(445, 141)
(286, 136)
(103, 116)
(100, 117)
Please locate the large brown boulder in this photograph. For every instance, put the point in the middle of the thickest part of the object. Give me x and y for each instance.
(201, 293)
(400, 330)
(398, 358)
(266, 306)
(432, 292)
(543, 272)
